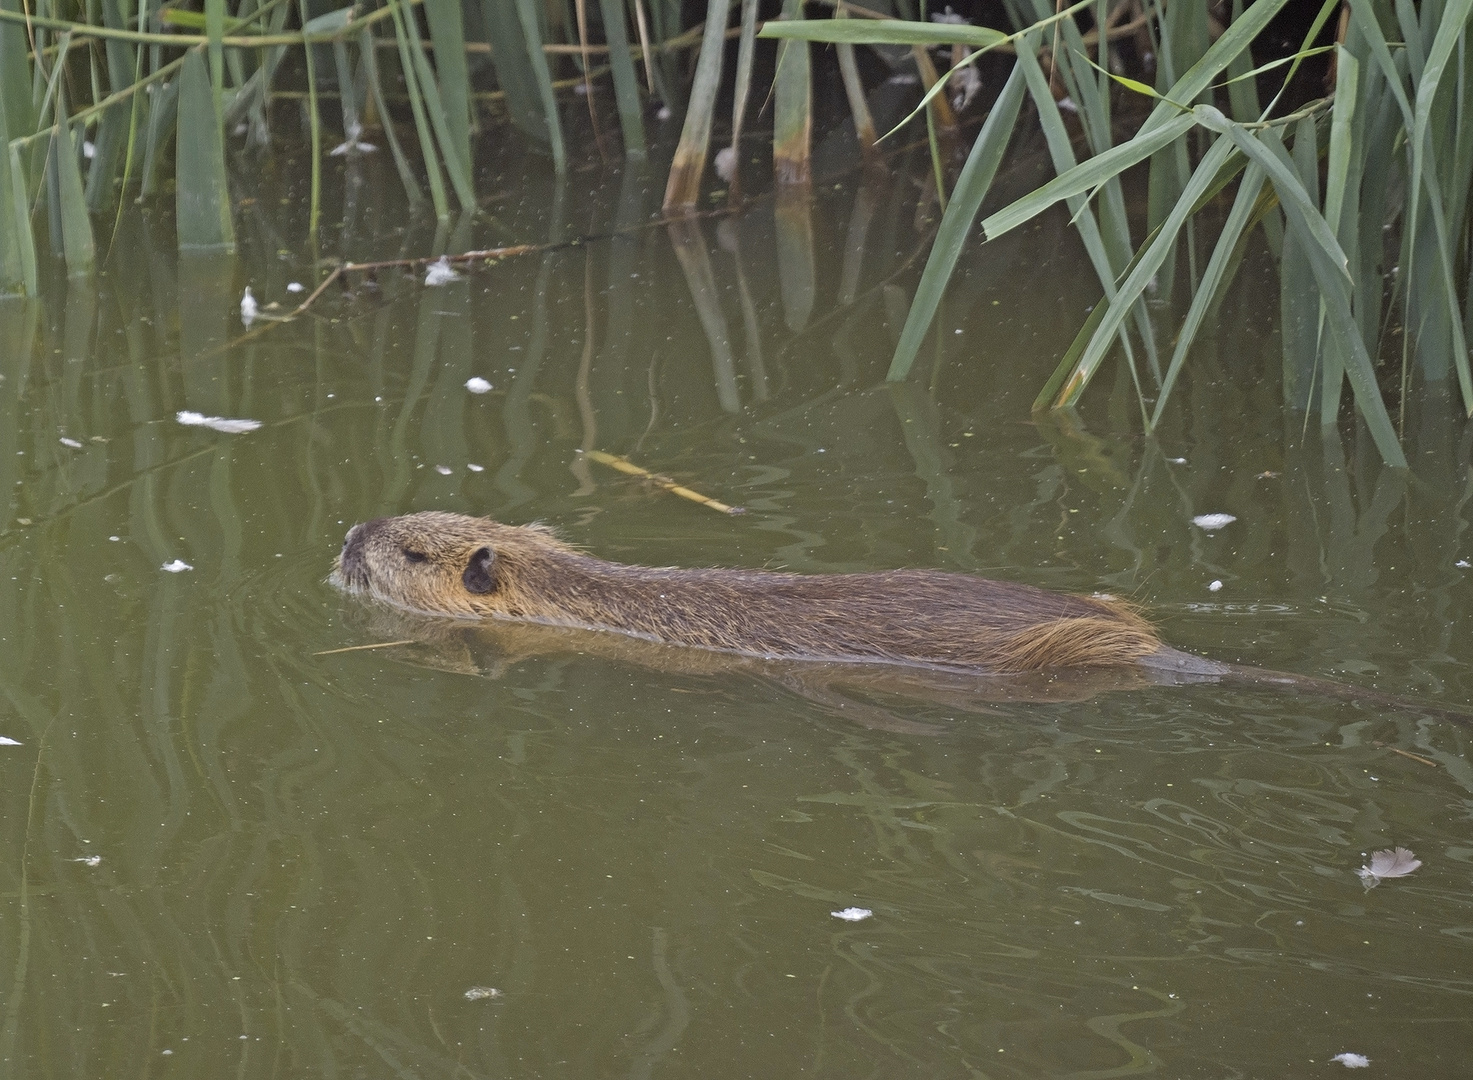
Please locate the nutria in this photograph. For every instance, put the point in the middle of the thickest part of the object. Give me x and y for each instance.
(442, 564)
(449, 564)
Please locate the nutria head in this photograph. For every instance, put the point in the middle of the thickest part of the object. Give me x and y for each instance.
(439, 563)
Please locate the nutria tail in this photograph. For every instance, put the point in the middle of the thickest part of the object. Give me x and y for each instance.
(1343, 691)
(1169, 666)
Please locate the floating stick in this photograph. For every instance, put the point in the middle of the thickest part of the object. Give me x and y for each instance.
(1408, 753)
(360, 648)
(624, 466)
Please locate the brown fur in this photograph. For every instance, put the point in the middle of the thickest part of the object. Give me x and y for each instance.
(916, 617)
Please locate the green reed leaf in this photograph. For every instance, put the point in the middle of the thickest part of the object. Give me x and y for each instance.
(201, 195)
(1450, 34)
(1087, 175)
(882, 32)
(330, 21)
(742, 85)
(1288, 185)
(626, 82)
(1152, 257)
(15, 220)
(15, 73)
(409, 71)
(792, 91)
(1236, 39)
(532, 34)
(453, 81)
(401, 163)
(951, 236)
(1214, 278)
(1088, 86)
(456, 165)
(1249, 74)
(864, 124)
(76, 225)
(163, 116)
(1343, 154)
(110, 141)
(1364, 17)
(503, 29)
(1334, 290)
(1061, 150)
(683, 186)
(215, 30)
(1342, 121)
(19, 213)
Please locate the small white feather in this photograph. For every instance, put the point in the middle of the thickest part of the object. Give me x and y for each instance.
(1211, 522)
(1388, 863)
(440, 272)
(229, 425)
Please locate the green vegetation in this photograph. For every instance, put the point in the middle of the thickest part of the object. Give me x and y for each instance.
(1362, 191)
(1388, 148)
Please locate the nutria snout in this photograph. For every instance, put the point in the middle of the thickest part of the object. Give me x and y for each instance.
(450, 564)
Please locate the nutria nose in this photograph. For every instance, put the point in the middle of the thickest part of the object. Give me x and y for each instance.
(358, 535)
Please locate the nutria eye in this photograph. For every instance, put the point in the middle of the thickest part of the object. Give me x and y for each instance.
(415, 556)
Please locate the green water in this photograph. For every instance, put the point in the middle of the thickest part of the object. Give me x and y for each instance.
(222, 853)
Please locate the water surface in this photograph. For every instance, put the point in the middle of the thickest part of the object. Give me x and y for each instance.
(226, 853)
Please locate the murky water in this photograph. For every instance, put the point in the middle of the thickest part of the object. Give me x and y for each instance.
(224, 853)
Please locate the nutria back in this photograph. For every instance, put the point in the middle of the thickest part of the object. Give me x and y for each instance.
(450, 564)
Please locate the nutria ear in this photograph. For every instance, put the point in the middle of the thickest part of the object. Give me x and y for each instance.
(479, 577)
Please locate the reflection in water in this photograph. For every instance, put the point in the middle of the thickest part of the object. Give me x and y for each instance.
(728, 235)
(19, 322)
(521, 435)
(261, 860)
(793, 220)
(867, 198)
(695, 262)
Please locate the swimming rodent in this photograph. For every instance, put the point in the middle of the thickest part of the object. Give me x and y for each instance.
(445, 564)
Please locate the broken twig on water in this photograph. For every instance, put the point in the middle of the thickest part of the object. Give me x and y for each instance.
(625, 466)
(360, 648)
(486, 255)
(1408, 753)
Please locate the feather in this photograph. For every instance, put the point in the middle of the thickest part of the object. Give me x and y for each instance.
(1388, 863)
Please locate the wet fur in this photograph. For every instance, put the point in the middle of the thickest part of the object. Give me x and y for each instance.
(914, 617)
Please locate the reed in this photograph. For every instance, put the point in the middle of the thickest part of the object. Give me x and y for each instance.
(1361, 192)
(1386, 146)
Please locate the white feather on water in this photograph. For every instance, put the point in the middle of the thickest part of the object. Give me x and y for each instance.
(229, 425)
(1388, 863)
(440, 272)
(1212, 522)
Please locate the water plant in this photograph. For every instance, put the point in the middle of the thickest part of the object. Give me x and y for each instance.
(1361, 187)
